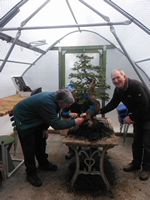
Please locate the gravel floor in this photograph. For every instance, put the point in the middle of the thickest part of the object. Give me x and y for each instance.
(56, 185)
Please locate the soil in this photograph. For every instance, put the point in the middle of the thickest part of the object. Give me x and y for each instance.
(56, 185)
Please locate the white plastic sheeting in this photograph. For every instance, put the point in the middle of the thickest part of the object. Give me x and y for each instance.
(83, 22)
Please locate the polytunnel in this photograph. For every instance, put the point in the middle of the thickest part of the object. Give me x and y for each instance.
(40, 41)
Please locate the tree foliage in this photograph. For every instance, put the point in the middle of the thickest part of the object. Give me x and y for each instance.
(88, 79)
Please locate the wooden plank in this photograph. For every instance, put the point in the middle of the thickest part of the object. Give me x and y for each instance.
(7, 103)
(72, 140)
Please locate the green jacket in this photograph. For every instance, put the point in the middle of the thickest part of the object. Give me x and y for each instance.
(39, 110)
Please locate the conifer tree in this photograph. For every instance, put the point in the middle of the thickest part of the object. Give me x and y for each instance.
(88, 79)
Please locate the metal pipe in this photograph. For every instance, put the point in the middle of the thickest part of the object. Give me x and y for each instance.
(72, 14)
(5, 19)
(10, 50)
(34, 13)
(130, 17)
(9, 15)
(19, 33)
(144, 60)
(21, 3)
(18, 62)
(148, 78)
(66, 26)
(57, 41)
(10, 39)
(93, 9)
(126, 54)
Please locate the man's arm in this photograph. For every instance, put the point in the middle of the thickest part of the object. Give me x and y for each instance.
(113, 103)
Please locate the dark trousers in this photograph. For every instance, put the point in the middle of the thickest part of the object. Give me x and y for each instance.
(141, 145)
(33, 146)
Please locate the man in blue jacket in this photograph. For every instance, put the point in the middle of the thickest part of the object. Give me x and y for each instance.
(136, 97)
(32, 117)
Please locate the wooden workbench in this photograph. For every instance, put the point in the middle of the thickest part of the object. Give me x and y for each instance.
(7, 103)
(8, 167)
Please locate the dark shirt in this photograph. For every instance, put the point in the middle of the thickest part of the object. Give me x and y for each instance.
(136, 97)
(38, 110)
(88, 106)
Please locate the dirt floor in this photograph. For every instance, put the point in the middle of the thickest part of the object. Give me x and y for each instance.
(56, 185)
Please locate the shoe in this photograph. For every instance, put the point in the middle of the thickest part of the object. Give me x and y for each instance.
(46, 155)
(144, 175)
(34, 180)
(130, 167)
(48, 167)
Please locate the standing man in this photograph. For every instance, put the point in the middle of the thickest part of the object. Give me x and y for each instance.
(136, 96)
(32, 117)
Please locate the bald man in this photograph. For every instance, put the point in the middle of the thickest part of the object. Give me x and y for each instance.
(136, 97)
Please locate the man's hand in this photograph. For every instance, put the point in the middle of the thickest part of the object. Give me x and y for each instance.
(79, 121)
(45, 134)
(85, 116)
(73, 115)
(127, 120)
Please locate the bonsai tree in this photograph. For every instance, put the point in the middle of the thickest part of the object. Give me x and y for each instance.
(88, 79)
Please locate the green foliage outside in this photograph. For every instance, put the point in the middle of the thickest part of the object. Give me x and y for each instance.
(82, 76)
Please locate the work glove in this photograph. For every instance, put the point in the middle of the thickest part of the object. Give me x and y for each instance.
(79, 121)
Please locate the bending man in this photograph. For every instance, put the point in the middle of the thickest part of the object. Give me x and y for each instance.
(32, 117)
